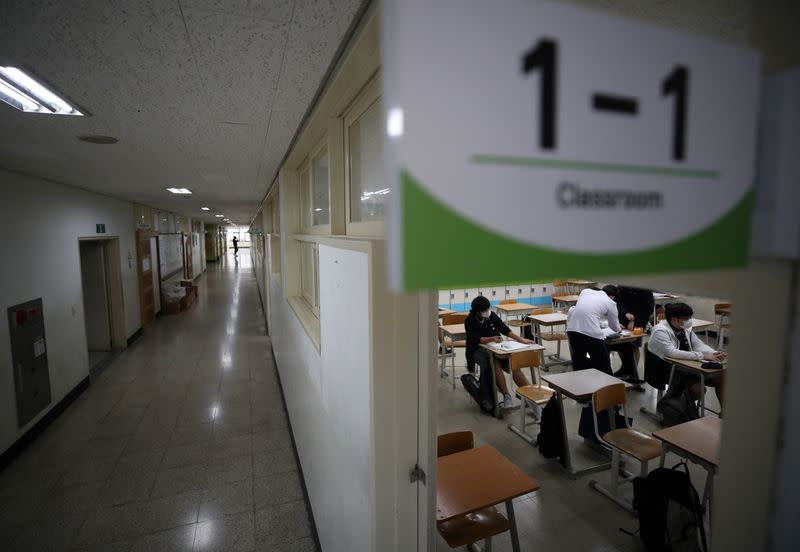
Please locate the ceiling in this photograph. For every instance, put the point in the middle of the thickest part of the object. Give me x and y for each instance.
(203, 94)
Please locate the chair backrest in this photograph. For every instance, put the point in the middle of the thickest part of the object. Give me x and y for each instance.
(454, 318)
(508, 301)
(450, 443)
(526, 359)
(559, 287)
(609, 397)
(721, 306)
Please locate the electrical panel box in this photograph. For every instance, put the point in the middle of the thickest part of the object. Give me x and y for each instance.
(29, 358)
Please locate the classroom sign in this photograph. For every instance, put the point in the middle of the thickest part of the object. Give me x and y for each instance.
(539, 140)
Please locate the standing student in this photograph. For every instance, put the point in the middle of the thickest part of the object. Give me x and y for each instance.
(585, 328)
(673, 337)
(483, 326)
(639, 303)
(235, 245)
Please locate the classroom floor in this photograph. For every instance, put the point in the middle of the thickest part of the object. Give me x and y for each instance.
(565, 514)
(181, 444)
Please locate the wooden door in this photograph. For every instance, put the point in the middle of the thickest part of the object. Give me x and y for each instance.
(145, 264)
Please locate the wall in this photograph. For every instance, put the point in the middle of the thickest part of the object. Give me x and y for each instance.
(42, 222)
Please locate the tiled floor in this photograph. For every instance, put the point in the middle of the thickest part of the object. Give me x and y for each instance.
(565, 514)
(181, 444)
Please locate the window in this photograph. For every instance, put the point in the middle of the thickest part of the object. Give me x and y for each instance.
(368, 190)
(366, 187)
(309, 272)
(320, 188)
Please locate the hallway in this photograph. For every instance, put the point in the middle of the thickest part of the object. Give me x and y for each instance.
(181, 444)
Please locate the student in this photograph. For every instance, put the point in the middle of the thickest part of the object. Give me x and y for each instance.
(484, 326)
(633, 312)
(673, 337)
(585, 328)
(235, 245)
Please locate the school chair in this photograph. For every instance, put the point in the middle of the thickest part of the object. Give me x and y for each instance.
(448, 345)
(624, 440)
(530, 395)
(470, 528)
(515, 322)
(560, 289)
(722, 323)
(552, 335)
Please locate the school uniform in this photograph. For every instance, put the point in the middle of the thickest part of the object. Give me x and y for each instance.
(585, 330)
(476, 328)
(666, 341)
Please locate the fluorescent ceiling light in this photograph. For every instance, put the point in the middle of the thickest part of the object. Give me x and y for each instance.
(181, 191)
(205, 208)
(23, 92)
(219, 216)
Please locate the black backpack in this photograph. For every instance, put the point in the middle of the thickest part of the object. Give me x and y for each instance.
(550, 440)
(670, 513)
(677, 408)
(656, 370)
(478, 392)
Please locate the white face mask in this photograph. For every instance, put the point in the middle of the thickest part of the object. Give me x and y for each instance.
(486, 314)
(687, 324)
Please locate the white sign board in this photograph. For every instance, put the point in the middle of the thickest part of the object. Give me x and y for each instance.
(545, 140)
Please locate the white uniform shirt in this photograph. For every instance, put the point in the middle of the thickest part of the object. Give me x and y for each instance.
(664, 343)
(593, 308)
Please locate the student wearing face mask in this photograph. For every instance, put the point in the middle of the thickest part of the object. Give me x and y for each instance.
(483, 326)
(673, 337)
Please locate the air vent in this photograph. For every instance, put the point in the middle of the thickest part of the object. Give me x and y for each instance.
(97, 139)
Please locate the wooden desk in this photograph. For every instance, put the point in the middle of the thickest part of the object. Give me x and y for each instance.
(566, 300)
(456, 332)
(694, 367)
(475, 479)
(576, 286)
(497, 352)
(578, 386)
(442, 312)
(624, 338)
(515, 309)
(698, 441)
(548, 321)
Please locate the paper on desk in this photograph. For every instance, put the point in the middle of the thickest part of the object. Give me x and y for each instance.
(511, 345)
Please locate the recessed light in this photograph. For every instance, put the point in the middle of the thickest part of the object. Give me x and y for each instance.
(205, 208)
(219, 216)
(23, 92)
(180, 191)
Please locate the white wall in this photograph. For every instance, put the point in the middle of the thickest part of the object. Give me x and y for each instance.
(41, 222)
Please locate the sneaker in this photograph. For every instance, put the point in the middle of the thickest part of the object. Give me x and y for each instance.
(536, 411)
(508, 401)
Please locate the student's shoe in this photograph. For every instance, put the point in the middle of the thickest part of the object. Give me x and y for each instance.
(508, 401)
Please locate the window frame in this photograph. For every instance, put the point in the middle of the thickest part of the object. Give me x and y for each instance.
(366, 98)
(311, 302)
(307, 225)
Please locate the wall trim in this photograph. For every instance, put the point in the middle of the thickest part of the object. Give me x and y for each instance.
(12, 452)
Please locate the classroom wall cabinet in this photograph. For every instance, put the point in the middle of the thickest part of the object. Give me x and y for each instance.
(460, 299)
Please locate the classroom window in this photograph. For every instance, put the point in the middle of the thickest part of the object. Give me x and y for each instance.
(368, 190)
(309, 273)
(320, 189)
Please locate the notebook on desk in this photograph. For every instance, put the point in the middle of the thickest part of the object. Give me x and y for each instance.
(511, 345)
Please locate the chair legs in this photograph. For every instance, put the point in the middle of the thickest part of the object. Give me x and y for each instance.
(618, 477)
(487, 546)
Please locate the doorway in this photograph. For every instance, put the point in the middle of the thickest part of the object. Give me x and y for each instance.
(103, 312)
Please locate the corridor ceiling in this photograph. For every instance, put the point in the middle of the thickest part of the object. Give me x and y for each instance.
(202, 94)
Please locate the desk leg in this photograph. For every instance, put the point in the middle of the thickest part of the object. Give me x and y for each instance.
(498, 411)
(566, 452)
(513, 521)
(708, 494)
(702, 394)
(663, 455)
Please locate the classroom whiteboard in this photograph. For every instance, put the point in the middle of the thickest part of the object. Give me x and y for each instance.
(171, 251)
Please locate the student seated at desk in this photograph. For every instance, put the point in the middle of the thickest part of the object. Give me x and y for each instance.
(673, 337)
(585, 328)
(484, 326)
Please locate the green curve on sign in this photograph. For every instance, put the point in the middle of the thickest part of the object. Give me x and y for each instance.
(443, 249)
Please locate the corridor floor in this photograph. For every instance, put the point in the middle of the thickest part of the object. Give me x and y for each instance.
(181, 444)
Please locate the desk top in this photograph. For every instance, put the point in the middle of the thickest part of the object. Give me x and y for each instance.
(442, 312)
(700, 325)
(658, 296)
(581, 282)
(497, 351)
(624, 338)
(580, 384)
(474, 479)
(516, 307)
(695, 365)
(699, 438)
(565, 298)
(454, 329)
(549, 319)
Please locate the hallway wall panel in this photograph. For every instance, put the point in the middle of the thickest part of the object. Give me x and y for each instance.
(42, 222)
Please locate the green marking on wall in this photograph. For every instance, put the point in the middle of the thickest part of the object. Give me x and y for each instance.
(443, 249)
